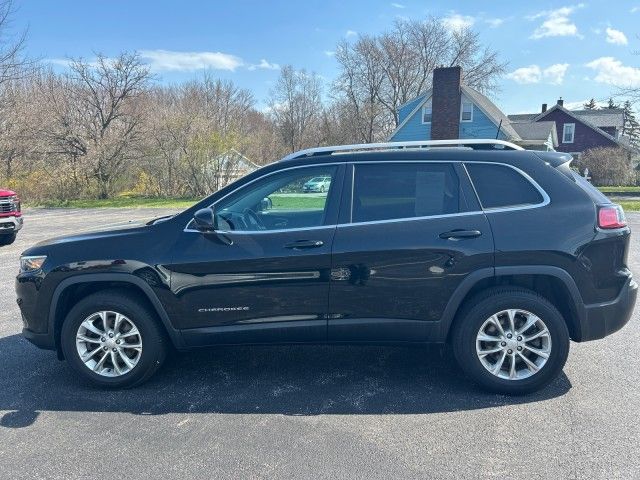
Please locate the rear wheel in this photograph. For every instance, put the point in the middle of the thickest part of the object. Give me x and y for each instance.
(511, 340)
(113, 340)
(8, 239)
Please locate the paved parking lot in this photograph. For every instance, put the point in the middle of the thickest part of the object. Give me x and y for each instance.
(322, 412)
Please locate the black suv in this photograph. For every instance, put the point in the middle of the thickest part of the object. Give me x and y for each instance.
(505, 254)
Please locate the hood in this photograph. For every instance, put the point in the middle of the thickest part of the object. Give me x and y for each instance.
(101, 235)
(6, 193)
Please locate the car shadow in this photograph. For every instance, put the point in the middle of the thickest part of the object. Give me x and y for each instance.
(287, 380)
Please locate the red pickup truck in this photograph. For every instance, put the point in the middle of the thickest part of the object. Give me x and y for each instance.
(10, 216)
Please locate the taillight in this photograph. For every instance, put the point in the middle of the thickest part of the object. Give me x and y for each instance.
(611, 217)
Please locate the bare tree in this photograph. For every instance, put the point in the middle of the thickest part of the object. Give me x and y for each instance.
(99, 112)
(295, 105)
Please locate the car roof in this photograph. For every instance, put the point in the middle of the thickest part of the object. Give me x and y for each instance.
(428, 154)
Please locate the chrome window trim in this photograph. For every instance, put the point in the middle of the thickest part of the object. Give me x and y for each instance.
(191, 230)
(546, 200)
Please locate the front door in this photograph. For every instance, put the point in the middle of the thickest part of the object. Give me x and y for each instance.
(265, 276)
(410, 239)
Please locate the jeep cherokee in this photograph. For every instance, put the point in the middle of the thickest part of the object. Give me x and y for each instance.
(505, 254)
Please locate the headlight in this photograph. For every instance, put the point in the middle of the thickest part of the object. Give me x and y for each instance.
(14, 202)
(31, 263)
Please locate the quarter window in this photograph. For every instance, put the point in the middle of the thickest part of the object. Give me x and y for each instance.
(427, 112)
(404, 190)
(295, 198)
(499, 186)
(568, 132)
(466, 114)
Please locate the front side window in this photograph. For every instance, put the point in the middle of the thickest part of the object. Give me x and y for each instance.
(427, 111)
(499, 186)
(466, 114)
(295, 198)
(568, 132)
(389, 191)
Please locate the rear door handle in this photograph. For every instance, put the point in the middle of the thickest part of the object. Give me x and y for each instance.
(454, 234)
(303, 244)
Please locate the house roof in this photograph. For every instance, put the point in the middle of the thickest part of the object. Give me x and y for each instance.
(235, 156)
(536, 131)
(492, 111)
(607, 117)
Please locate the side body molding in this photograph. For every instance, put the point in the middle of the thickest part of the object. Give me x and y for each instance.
(174, 334)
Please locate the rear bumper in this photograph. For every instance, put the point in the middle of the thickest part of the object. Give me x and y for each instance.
(602, 319)
(10, 224)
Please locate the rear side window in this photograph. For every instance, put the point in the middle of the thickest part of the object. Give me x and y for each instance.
(499, 186)
(389, 191)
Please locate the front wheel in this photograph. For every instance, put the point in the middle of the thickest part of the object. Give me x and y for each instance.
(8, 239)
(511, 341)
(113, 340)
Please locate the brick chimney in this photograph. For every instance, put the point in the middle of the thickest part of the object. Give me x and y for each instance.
(544, 107)
(445, 120)
(561, 102)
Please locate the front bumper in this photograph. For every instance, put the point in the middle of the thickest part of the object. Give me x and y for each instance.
(602, 319)
(10, 224)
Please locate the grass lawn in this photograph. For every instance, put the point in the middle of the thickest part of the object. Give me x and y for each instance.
(297, 201)
(630, 205)
(619, 189)
(119, 202)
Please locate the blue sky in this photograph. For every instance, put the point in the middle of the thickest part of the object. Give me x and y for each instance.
(576, 50)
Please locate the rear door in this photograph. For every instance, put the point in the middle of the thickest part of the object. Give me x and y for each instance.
(413, 232)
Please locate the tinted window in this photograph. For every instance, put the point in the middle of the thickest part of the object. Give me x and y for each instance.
(295, 198)
(500, 186)
(401, 190)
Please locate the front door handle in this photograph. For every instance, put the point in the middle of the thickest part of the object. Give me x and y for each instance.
(455, 234)
(303, 244)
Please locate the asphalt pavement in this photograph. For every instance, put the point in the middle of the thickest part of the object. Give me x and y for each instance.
(308, 412)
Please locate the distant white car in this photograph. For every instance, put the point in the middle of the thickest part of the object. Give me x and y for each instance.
(317, 184)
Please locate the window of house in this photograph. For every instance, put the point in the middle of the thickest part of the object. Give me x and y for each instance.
(467, 112)
(389, 191)
(499, 186)
(426, 112)
(568, 132)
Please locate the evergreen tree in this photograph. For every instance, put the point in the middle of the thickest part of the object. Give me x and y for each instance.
(590, 105)
(631, 126)
(611, 104)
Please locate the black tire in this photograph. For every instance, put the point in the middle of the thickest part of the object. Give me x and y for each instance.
(154, 342)
(8, 239)
(479, 309)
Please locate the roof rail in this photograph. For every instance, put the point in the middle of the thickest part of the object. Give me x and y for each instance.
(467, 142)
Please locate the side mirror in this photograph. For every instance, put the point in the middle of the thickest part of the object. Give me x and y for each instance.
(266, 204)
(205, 220)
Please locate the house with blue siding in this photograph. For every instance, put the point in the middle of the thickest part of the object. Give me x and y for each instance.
(451, 110)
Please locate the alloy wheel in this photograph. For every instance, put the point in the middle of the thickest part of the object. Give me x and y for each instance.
(513, 344)
(109, 343)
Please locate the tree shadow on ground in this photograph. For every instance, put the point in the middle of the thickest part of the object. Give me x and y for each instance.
(288, 380)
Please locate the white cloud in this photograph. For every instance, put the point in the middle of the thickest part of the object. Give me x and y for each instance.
(556, 23)
(166, 60)
(523, 75)
(397, 5)
(612, 72)
(329, 53)
(553, 74)
(494, 22)
(264, 65)
(456, 22)
(616, 37)
(635, 9)
(350, 33)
